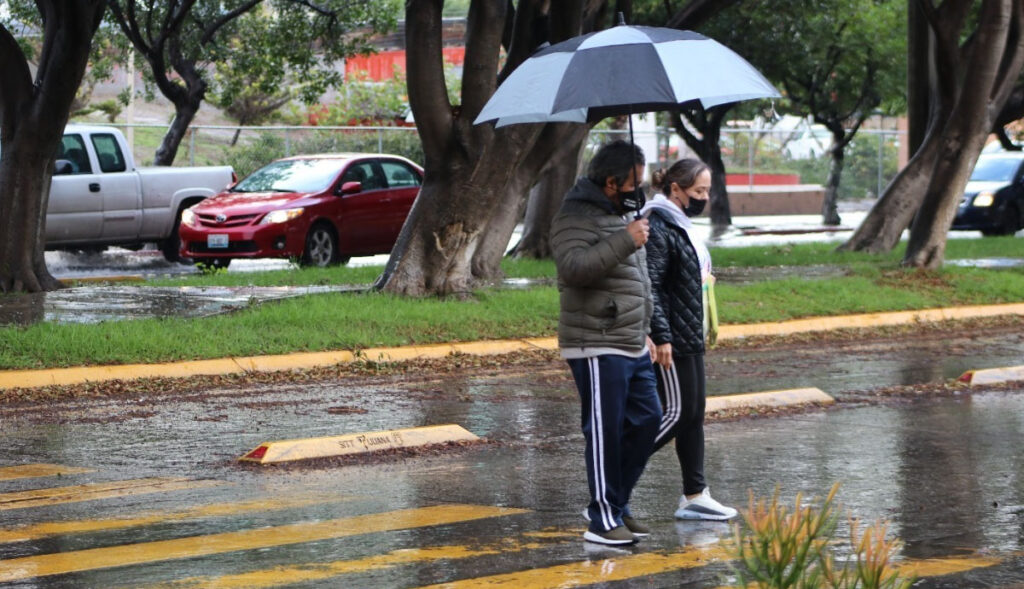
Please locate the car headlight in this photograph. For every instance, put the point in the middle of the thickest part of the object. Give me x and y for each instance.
(281, 216)
(984, 199)
(188, 217)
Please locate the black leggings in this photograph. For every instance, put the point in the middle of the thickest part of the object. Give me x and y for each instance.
(681, 389)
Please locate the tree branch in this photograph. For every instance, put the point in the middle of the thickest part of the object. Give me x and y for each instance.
(16, 86)
(483, 39)
(229, 16)
(1013, 59)
(523, 39)
(428, 95)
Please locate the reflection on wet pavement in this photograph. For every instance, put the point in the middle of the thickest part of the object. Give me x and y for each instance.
(92, 304)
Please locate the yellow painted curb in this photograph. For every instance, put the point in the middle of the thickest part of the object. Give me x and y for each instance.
(303, 449)
(867, 320)
(781, 398)
(993, 375)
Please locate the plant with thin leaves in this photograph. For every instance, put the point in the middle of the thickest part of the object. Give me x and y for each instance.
(779, 549)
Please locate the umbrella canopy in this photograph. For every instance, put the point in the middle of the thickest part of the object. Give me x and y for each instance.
(623, 70)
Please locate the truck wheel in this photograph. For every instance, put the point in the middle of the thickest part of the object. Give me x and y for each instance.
(321, 247)
(170, 246)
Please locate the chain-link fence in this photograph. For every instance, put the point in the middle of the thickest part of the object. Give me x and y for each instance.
(871, 159)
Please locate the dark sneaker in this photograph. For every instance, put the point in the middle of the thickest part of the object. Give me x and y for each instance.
(613, 537)
(703, 507)
(638, 529)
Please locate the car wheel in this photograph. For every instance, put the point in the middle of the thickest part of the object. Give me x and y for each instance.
(212, 264)
(1009, 222)
(321, 247)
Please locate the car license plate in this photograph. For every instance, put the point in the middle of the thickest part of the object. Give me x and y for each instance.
(217, 240)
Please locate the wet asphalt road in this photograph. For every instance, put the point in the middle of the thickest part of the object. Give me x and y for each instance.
(946, 471)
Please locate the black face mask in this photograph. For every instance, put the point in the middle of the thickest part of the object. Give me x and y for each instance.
(695, 208)
(632, 200)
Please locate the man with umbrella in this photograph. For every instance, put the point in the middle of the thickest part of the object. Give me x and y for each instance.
(605, 298)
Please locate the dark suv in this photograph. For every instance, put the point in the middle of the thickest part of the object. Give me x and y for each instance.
(993, 201)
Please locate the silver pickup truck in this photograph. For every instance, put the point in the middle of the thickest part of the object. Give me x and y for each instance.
(99, 198)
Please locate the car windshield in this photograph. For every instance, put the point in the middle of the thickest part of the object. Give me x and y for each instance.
(302, 175)
(995, 169)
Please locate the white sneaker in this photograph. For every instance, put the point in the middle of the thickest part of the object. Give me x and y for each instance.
(703, 507)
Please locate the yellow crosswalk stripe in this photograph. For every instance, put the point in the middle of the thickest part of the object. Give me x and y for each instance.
(589, 572)
(45, 529)
(93, 491)
(28, 471)
(95, 558)
(320, 571)
(936, 567)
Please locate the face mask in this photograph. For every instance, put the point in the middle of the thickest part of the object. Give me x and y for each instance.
(632, 200)
(695, 208)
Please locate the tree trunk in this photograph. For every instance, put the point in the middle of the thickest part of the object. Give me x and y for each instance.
(435, 249)
(33, 116)
(830, 205)
(544, 202)
(995, 63)
(186, 105)
(487, 258)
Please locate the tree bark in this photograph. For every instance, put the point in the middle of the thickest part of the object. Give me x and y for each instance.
(32, 120)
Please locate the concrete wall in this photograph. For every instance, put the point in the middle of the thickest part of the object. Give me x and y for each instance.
(793, 199)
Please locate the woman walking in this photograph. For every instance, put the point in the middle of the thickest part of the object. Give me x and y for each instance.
(678, 264)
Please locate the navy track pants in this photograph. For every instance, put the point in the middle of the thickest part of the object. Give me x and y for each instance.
(620, 418)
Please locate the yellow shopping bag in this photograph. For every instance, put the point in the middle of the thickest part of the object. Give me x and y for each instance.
(710, 311)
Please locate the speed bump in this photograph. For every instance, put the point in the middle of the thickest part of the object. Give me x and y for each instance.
(787, 397)
(993, 375)
(304, 449)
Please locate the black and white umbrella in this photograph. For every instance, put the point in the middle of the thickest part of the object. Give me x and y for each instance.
(623, 70)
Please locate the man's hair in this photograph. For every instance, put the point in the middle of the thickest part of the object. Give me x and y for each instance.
(615, 159)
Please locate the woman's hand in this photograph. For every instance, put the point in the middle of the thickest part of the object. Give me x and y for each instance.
(663, 355)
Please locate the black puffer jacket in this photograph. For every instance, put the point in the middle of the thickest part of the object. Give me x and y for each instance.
(674, 269)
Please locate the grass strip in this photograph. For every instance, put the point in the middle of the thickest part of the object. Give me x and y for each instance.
(805, 254)
(357, 321)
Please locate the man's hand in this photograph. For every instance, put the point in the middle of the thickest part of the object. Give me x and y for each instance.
(639, 230)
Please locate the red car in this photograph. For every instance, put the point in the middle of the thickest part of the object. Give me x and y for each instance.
(318, 209)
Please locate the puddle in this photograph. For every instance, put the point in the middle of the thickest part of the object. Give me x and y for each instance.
(92, 304)
(748, 275)
(988, 263)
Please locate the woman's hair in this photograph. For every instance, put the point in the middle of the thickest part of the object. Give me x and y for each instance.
(684, 173)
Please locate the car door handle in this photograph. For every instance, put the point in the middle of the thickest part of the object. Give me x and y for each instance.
(94, 187)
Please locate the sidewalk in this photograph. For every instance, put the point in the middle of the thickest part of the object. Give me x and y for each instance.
(69, 376)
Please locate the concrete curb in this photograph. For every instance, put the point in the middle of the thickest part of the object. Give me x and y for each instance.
(993, 375)
(78, 375)
(358, 443)
(783, 398)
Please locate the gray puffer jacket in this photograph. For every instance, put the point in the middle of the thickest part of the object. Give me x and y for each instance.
(602, 275)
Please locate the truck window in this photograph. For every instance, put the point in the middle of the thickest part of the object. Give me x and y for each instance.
(72, 148)
(108, 152)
